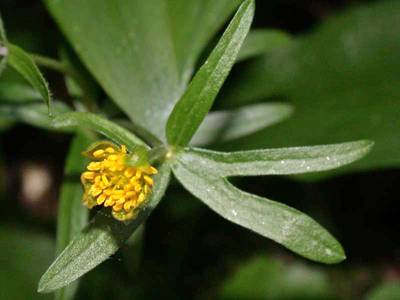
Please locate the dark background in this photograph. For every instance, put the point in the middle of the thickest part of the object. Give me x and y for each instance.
(189, 252)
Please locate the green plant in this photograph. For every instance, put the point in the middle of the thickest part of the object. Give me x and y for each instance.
(146, 73)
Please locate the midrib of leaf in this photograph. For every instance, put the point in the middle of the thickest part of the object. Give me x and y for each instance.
(205, 85)
(283, 226)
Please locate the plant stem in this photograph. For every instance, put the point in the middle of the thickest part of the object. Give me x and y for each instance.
(53, 64)
(61, 67)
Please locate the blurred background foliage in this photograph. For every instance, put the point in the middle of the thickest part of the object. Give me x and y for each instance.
(338, 65)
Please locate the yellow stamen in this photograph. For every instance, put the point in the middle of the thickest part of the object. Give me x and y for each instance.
(88, 175)
(101, 199)
(108, 181)
(148, 179)
(110, 150)
(98, 153)
(94, 166)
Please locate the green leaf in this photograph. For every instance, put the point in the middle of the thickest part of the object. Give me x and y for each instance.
(81, 84)
(16, 92)
(3, 37)
(24, 255)
(342, 80)
(72, 214)
(188, 37)
(265, 278)
(102, 238)
(78, 120)
(261, 41)
(385, 291)
(280, 161)
(137, 49)
(32, 113)
(283, 224)
(24, 65)
(3, 48)
(221, 126)
(195, 103)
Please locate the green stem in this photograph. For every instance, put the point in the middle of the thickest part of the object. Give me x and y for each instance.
(157, 154)
(60, 67)
(53, 64)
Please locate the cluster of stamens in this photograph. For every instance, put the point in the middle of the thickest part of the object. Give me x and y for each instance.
(110, 182)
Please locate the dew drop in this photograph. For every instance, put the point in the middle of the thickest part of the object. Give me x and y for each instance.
(234, 212)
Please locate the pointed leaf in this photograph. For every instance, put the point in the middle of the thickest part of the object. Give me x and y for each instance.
(193, 106)
(221, 126)
(78, 120)
(102, 238)
(24, 65)
(280, 161)
(72, 215)
(283, 224)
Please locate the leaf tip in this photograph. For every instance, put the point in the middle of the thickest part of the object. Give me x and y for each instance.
(365, 146)
(43, 286)
(334, 255)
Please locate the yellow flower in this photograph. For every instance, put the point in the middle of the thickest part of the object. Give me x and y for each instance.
(111, 182)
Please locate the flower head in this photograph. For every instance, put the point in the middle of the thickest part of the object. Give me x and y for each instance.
(110, 181)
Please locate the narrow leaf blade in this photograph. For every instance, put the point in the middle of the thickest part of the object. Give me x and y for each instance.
(193, 106)
(222, 126)
(72, 215)
(102, 238)
(77, 120)
(280, 161)
(24, 65)
(285, 225)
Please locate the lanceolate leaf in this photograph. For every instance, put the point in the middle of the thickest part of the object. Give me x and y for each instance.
(24, 65)
(77, 120)
(261, 41)
(221, 126)
(280, 161)
(102, 238)
(193, 106)
(72, 214)
(274, 220)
